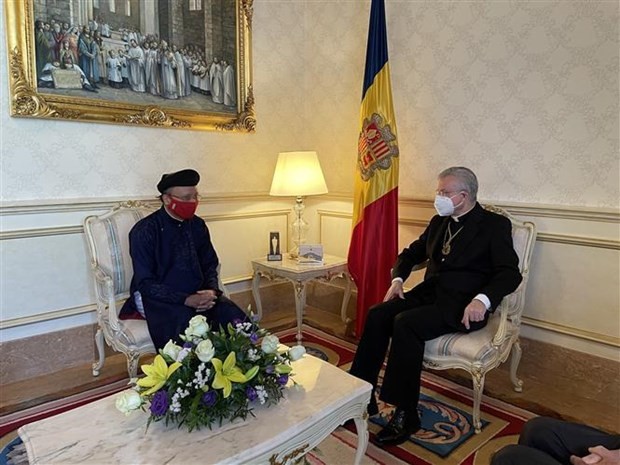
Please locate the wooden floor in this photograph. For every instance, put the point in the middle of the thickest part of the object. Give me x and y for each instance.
(557, 382)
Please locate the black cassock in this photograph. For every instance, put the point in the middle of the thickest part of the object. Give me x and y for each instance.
(171, 260)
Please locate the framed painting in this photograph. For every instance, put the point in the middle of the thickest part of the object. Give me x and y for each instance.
(160, 63)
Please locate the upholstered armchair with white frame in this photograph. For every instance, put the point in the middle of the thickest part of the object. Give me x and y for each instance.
(480, 351)
(108, 244)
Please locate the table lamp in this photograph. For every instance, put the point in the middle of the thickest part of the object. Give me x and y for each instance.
(298, 174)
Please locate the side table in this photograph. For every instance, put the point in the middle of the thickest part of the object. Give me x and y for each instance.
(299, 275)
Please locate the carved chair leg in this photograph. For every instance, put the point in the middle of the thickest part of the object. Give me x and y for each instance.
(132, 364)
(100, 351)
(478, 383)
(515, 358)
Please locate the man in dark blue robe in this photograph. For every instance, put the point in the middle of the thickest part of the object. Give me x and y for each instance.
(175, 265)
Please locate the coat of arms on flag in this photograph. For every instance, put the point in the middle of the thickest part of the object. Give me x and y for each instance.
(376, 146)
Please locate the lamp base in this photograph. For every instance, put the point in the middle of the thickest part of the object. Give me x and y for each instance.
(299, 228)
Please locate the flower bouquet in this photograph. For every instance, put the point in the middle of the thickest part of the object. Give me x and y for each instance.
(215, 376)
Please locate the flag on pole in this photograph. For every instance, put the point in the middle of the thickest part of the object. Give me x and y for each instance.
(374, 239)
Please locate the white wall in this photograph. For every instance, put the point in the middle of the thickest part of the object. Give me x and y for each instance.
(525, 93)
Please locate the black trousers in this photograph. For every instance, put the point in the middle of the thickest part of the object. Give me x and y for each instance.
(407, 323)
(547, 441)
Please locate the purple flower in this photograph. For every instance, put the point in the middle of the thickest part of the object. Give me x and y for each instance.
(236, 322)
(250, 392)
(188, 345)
(253, 338)
(269, 369)
(282, 380)
(159, 403)
(254, 317)
(209, 398)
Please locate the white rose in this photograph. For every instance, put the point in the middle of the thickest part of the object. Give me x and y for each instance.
(171, 350)
(296, 352)
(270, 344)
(198, 326)
(127, 401)
(205, 350)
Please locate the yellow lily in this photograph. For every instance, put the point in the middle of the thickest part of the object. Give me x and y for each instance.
(226, 373)
(156, 374)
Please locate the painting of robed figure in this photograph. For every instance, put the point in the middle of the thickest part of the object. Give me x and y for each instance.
(166, 63)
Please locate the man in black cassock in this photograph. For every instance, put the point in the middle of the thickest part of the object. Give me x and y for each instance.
(472, 265)
(175, 265)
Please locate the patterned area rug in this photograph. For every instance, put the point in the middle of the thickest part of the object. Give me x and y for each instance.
(447, 436)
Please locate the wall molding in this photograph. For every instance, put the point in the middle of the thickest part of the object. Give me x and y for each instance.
(583, 241)
(243, 216)
(604, 215)
(25, 207)
(574, 332)
(47, 316)
(566, 239)
(79, 229)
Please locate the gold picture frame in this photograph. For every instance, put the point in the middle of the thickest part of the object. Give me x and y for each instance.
(29, 96)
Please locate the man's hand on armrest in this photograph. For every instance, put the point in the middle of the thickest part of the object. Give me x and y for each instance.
(474, 312)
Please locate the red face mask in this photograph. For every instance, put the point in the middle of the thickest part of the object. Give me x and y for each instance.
(183, 209)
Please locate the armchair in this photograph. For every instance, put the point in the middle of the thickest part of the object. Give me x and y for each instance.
(480, 351)
(108, 244)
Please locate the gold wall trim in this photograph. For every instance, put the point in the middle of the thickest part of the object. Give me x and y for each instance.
(574, 332)
(79, 229)
(47, 316)
(413, 222)
(242, 216)
(579, 240)
(20, 208)
(73, 205)
(334, 214)
(604, 215)
(565, 239)
(40, 232)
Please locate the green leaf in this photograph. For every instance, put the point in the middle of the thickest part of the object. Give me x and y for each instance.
(283, 369)
(251, 373)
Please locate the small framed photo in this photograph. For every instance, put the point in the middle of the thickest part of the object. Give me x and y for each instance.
(274, 247)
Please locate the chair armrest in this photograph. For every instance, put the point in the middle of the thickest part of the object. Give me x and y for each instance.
(106, 299)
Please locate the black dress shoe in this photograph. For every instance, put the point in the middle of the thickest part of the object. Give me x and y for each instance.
(402, 425)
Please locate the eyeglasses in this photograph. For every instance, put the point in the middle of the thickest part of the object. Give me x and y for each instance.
(187, 198)
(447, 193)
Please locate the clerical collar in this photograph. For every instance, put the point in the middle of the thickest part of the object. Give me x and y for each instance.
(463, 216)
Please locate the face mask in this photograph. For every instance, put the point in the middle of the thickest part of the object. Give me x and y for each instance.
(444, 205)
(182, 209)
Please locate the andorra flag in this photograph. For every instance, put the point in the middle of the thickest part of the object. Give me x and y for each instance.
(374, 240)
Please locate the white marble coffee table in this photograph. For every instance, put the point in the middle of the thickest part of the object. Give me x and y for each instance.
(97, 433)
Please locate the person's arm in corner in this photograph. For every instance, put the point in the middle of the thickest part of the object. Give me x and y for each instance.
(598, 455)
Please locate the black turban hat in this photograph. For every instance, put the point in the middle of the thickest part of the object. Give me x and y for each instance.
(179, 179)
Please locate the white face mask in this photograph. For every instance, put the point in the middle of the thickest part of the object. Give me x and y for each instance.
(444, 205)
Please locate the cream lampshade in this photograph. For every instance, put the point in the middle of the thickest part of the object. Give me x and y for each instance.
(298, 174)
